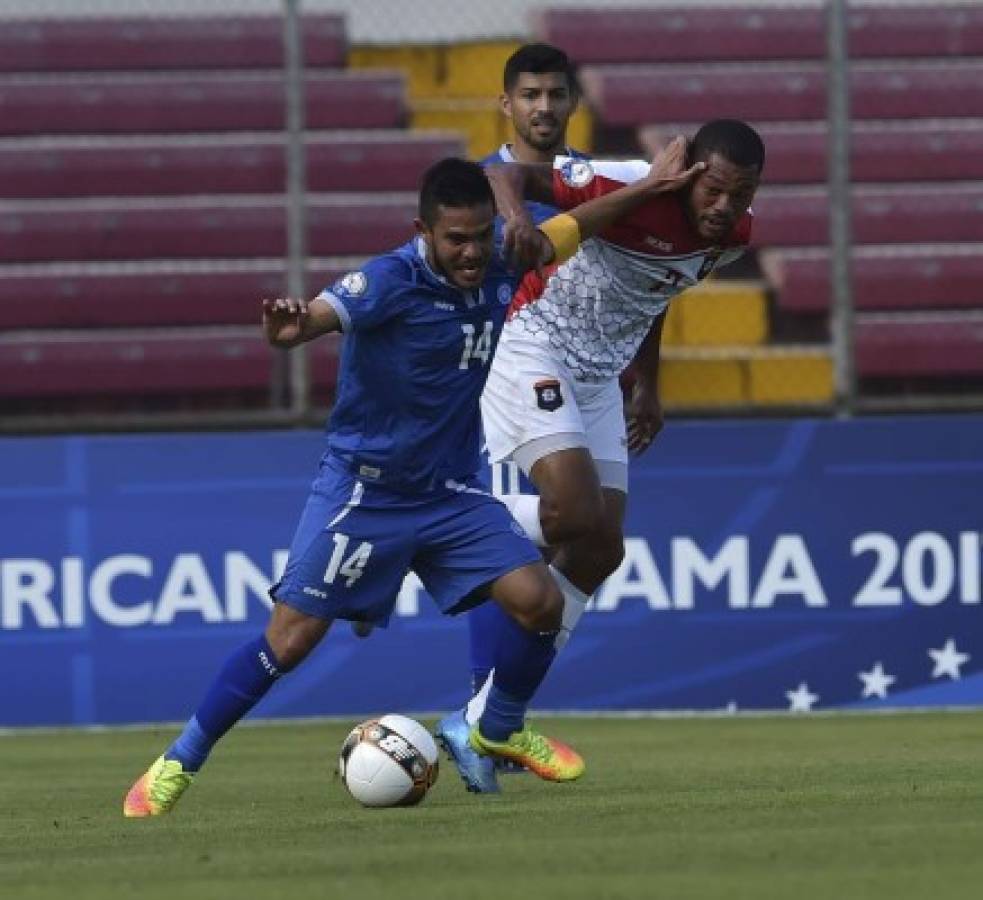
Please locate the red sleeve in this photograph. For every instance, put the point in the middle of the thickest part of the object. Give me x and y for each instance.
(576, 181)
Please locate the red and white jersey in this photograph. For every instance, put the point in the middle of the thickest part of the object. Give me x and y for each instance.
(594, 310)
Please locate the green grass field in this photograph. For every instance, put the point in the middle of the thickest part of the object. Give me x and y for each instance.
(789, 807)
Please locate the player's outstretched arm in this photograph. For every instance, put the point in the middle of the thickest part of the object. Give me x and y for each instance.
(668, 173)
(287, 322)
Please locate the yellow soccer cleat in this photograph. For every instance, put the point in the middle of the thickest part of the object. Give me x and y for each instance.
(550, 759)
(157, 790)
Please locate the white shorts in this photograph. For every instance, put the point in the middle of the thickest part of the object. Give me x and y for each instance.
(532, 406)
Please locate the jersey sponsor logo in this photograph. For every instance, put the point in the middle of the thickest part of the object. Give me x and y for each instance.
(504, 294)
(353, 284)
(548, 396)
(577, 173)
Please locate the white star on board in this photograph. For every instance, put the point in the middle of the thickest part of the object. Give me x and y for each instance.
(876, 682)
(948, 660)
(800, 700)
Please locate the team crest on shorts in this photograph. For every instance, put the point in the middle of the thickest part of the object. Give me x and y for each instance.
(353, 284)
(548, 396)
(577, 173)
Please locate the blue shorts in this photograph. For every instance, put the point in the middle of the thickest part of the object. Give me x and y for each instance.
(356, 541)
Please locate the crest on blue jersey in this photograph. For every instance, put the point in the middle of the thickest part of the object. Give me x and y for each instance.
(577, 173)
(504, 294)
(352, 285)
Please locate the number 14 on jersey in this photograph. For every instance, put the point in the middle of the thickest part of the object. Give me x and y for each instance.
(479, 349)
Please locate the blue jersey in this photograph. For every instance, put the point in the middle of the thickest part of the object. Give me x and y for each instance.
(539, 212)
(415, 356)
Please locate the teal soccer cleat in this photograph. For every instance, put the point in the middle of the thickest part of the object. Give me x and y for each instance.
(477, 771)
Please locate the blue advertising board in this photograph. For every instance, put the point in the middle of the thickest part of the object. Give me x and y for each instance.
(798, 565)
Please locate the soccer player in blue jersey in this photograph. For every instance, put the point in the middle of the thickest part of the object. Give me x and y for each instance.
(396, 489)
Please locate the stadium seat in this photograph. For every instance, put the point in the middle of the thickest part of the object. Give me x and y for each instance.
(691, 33)
(718, 312)
(149, 363)
(918, 150)
(92, 44)
(927, 345)
(197, 228)
(888, 278)
(194, 102)
(382, 160)
(732, 377)
(936, 213)
(142, 294)
(637, 94)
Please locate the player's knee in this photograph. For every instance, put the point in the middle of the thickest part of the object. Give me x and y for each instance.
(292, 643)
(609, 553)
(543, 610)
(572, 517)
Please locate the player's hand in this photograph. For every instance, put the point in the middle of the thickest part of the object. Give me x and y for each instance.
(524, 245)
(283, 321)
(644, 416)
(669, 172)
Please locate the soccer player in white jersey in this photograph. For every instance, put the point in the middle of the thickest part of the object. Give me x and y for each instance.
(540, 94)
(553, 402)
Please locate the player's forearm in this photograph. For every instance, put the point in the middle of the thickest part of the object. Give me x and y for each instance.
(289, 323)
(646, 361)
(515, 183)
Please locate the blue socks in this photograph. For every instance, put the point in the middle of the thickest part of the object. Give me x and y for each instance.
(522, 660)
(486, 623)
(243, 681)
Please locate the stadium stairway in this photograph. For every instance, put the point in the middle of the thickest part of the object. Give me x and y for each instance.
(142, 211)
(917, 133)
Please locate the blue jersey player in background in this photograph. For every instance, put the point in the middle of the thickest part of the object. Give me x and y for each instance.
(396, 489)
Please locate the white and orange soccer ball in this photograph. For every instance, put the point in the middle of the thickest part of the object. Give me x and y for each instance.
(390, 761)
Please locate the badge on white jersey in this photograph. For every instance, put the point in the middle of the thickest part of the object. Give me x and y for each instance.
(353, 284)
(577, 173)
(548, 396)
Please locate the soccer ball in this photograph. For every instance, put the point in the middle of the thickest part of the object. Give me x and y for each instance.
(391, 761)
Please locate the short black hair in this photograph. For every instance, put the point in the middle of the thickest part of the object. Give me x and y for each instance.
(453, 182)
(733, 139)
(539, 59)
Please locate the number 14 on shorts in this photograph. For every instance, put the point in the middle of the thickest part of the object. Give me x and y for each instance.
(351, 568)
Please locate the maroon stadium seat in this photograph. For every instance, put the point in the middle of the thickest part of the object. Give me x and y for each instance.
(909, 151)
(920, 345)
(681, 33)
(243, 42)
(128, 364)
(937, 213)
(225, 101)
(114, 295)
(917, 150)
(634, 95)
(888, 278)
(236, 164)
(200, 228)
